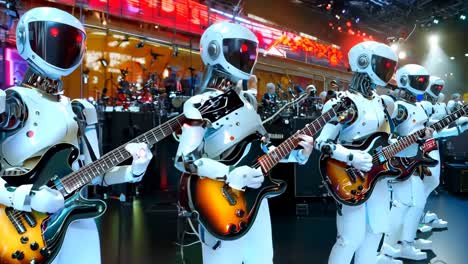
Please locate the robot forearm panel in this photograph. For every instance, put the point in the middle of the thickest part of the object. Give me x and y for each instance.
(17, 198)
(119, 174)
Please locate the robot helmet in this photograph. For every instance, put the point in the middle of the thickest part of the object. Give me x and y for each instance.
(413, 78)
(375, 59)
(51, 40)
(229, 48)
(311, 89)
(436, 85)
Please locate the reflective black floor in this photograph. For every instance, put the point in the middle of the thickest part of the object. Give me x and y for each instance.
(145, 231)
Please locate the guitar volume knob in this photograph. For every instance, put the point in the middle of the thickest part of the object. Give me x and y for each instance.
(240, 213)
(34, 246)
(232, 228)
(45, 252)
(24, 239)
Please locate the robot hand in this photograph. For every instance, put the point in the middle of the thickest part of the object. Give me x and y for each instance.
(307, 143)
(141, 158)
(358, 159)
(47, 200)
(463, 127)
(361, 160)
(428, 133)
(245, 176)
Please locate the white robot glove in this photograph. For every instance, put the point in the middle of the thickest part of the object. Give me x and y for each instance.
(47, 200)
(245, 176)
(358, 159)
(141, 158)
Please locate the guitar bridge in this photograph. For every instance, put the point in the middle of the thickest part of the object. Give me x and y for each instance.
(229, 195)
(15, 220)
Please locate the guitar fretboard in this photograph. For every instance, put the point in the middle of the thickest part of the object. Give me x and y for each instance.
(86, 174)
(268, 161)
(407, 141)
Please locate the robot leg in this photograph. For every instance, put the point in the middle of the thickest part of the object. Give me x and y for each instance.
(258, 245)
(351, 230)
(367, 251)
(82, 235)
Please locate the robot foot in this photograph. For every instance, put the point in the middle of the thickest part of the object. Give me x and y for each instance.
(391, 251)
(408, 251)
(383, 259)
(431, 219)
(423, 244)
(424, 228)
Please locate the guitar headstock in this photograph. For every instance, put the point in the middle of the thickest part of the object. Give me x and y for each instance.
(219, 106)
(345, 110)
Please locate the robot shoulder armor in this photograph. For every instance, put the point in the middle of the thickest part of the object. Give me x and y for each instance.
(83, 108)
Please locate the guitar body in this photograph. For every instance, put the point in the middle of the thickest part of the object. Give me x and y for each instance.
(36, 237)
(228, 213)
(352, 187)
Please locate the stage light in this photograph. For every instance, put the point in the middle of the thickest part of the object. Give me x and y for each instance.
(337, 17)
(462, 17)
(452, 58)
(165, 73)
(394, 46)
(433, 40)
(402, 55)
(348, 23)
(436, 21)
(466, 54)
(357, 20)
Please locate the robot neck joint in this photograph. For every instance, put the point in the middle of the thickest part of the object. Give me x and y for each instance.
(41, 82)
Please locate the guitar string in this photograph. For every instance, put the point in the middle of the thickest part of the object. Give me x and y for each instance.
(68, 180)
(111, 156)
(410, 138)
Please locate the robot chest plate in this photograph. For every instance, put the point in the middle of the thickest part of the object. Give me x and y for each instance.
(49, 122)
(235, 128)
(370, 118)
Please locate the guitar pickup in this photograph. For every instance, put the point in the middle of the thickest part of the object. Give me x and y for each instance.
(352, 174)
(229, 195)
(380, 154)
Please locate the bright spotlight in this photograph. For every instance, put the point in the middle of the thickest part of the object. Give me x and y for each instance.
(436, 21)
(402, 55)
(452, 58)
(433, 40)
(466, 54)
(394, 46)
(462, 17)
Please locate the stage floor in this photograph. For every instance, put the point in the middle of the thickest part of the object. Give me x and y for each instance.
(145, 231)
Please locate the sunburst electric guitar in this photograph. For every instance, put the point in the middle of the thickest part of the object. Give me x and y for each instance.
(229, 213)
(351, 186)
(33, 237)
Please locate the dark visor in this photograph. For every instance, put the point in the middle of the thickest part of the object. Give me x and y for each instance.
(58, 44)
(436, 89)
(240, 53)
(419, 82)
(383, 67)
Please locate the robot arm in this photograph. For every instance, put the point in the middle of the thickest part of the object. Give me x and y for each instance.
(23, 198)
(87, 117)
(326, 142)
(299, 156)
(462, 126)
(429, 109)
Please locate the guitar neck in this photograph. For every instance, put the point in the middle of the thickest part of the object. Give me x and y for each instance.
(407, 141)
(86, 174)
(268, 161)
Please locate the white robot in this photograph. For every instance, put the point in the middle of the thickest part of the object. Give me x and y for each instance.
(35, 116)
(360, 228)
(410, 196)
(436, 109)
(230, 52)
(455, 103)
